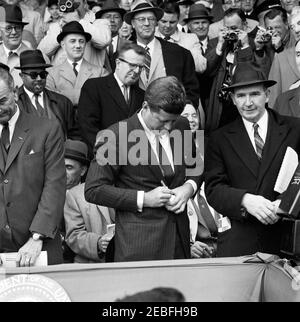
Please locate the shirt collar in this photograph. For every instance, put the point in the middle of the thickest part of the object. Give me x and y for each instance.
(204, 42)
(7, 51)
(150, 134)
(150, 45)
(262, 123)
(79, 62)
(31, 94)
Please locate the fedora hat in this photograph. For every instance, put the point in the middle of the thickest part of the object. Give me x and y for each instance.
(248, 74)
(198, 11)
(12, 14)
(268, 5)
(110, 5)
(3, 66)
(142, 5)
(32, 59)
(73, 27)
(76, 150)
(184, 2)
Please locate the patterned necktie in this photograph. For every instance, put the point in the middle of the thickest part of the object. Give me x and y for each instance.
(259, 143)
(74, 68)
(5, 142)
(167, 38)
(164, 162)
(125, 93)
(147, 62)
(38, 106)
(202, 49)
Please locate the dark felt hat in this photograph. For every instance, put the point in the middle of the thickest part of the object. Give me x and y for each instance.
(198, 11)
(268, 5)
(32, 59)
(3, 66)
(143, 5)
(73, 27)
(247, 74)
(185, 2)
(76, 150)
(12, 14)
(110, 5)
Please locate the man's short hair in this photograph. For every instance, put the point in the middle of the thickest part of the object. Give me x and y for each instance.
(171, 8)
(273, 13)
(139, 50)
(167, 94)
(7, 78)
(235, 11)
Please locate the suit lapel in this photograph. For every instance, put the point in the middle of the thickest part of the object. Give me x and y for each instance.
(84, 73)
(116, 94)
(20, 133)
(66, 72)
(240, 142)
(277, 132)
(156, 57)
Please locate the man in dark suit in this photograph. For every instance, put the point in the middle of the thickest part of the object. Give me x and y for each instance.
(34, 98)
(103, 101)
(287, 103)
(242, 162)
(163, 58)
(151, 181)
(33, 180)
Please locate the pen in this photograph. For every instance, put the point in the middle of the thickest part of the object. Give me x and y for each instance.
(163, 184)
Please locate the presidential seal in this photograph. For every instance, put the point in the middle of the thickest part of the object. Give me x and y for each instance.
(31, 288)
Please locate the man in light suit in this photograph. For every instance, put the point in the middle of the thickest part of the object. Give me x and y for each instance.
(85, 223)
(287, 103)
(163, 58)
(167, 30)
(69, 77)
(34, 98)
(147, 179)
(11, 33)
(103, 101)
(242, 162)
(33, 186)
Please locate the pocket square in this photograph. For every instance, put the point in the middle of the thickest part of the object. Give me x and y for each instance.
(31, 152)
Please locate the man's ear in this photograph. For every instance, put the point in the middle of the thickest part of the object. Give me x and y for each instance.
(16, 93)
(83, 170)
(267, 91)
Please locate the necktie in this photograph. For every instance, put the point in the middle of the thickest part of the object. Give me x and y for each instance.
(12, 53)
(167, 38)
(5, 142)
(74, 69)
(125, 92)
(259, 143)
(147, 62)
(38, 106)
(206, 214)
(202, 49)
(164, 162)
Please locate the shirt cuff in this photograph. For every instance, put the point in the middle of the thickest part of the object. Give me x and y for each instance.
(140, 200)
(194, 185)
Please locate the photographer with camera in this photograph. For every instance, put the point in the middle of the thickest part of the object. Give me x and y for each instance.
(231, 46)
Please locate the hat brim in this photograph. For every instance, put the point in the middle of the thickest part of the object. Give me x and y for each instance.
(17, 22)
(33, 66)
(129, 15)
(62, 35)
(267, 83)
(102, 12)
(210, 18)
(77, 158)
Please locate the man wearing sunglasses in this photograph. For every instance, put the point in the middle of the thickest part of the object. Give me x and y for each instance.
(106, 100)
(34, 98)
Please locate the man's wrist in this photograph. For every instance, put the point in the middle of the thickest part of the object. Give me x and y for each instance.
(37, 236)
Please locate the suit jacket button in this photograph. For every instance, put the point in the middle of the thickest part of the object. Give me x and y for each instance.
(8, 204)
(5, 181)
(7, 226)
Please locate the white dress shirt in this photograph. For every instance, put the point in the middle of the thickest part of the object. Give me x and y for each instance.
(262, 128)
(32, 97)
(79, 62)
(12, 123)
(121, 85)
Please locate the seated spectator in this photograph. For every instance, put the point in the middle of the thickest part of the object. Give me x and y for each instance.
(68, 77)
(34, 98)
(94, 50)
(85, 223)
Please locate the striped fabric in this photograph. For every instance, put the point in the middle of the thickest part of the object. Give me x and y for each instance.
(147, 62)
(259, 143)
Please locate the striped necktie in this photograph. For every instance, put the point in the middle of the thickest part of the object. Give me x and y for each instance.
(125, 93)
(259, 143)
(39, 107)
(147, 62)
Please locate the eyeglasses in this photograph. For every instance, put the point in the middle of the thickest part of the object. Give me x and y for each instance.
(34, 75)
(131, 65)
(67, 5)
(142, 20)
(10, 28)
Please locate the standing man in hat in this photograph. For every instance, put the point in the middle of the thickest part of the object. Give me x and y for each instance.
(114, 14)
(107, 100)
(85, 223)
(184, 7)
(242, 162)
(162, 58)
(11, 27)
(34, 98)
(69, 77)
(94, 51)
(168, 30)
(33, 181)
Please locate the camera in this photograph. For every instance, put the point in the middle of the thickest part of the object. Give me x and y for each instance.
(266, 35)
(231, 36)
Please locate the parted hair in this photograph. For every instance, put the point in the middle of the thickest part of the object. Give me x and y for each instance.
(139, 50)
